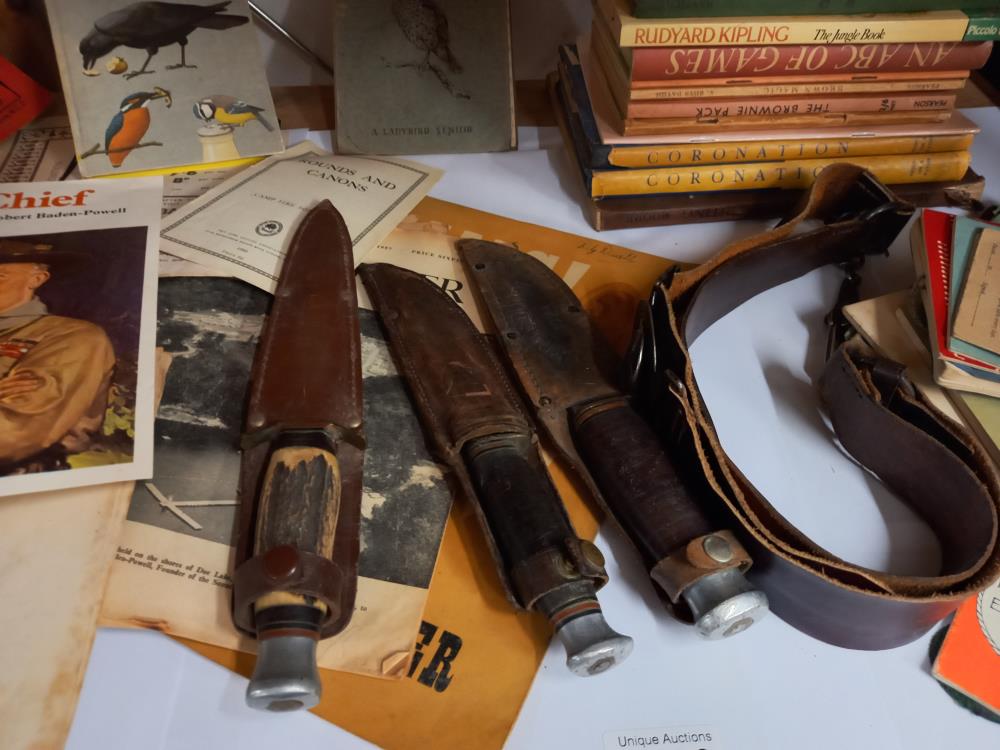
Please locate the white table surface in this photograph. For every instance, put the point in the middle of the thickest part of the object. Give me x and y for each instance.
(771, 687)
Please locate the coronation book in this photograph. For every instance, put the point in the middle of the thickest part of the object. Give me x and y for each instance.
(415, 77)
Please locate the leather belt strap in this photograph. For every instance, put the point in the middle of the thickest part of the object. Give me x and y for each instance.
(932, 464)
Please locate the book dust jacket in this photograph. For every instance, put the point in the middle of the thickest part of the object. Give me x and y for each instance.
(158, 85)
(423, 77)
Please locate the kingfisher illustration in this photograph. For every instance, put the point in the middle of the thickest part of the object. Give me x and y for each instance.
(151, 25)
(229, 110)
(130, 123)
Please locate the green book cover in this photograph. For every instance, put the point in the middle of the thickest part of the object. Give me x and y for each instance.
(716, 8)
(423, 77)
(965, 236)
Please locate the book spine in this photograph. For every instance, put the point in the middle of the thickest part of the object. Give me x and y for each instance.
(687, 208)
(794, 89)
(716, 8)
(984, 26)
(678, 63)
(667, 126)
(799, 78)
(726, 108)
(890, 28)
(679, 155)
(792, 174)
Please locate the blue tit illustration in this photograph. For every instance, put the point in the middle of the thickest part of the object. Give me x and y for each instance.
(229, 110)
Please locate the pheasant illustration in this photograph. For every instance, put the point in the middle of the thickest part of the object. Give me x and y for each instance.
(425, 26)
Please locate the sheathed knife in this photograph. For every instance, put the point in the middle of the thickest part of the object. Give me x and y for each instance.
(475, 424)
(300, 473)
(561, 363)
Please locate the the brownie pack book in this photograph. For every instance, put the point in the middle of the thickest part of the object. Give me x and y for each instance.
(423, 76)
(153, 85)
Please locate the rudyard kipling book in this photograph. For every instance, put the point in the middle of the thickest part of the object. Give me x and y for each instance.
(423, 76)
(153, 85)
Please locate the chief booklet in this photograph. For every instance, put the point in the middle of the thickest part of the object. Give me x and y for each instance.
(77, 324)
(158, 85)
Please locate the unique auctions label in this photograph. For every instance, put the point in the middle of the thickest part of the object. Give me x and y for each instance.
(700, 737)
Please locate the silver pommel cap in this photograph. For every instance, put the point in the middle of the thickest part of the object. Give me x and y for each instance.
(285, 677)
(591, 645)
(724, 604)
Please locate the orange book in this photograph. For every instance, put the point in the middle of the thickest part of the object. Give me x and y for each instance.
(21, 99)
(969, 659)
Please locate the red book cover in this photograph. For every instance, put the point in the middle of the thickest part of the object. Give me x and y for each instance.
(785, 106)
(938, 229)
(21, 99)
(969, 659)
(678, 63)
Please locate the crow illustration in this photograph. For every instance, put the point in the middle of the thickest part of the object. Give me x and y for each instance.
(150, 26)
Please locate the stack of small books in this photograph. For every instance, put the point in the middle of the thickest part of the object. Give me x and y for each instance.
(675, 118)
(946, 330)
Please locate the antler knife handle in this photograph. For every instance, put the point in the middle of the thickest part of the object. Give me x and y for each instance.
(698, 566)
(297, 514)
(550, 569)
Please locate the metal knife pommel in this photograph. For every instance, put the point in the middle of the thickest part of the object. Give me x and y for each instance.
(300, 475)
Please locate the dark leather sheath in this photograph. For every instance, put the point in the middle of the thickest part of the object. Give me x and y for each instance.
(305, 390)
(933, 464)
(475, 424)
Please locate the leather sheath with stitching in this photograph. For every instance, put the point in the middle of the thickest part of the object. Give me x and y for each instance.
(933, 464)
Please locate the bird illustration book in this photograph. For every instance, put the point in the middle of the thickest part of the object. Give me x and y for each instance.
(423, 77)
(158, 85)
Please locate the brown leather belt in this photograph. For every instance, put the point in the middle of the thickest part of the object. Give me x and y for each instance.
(936, 466)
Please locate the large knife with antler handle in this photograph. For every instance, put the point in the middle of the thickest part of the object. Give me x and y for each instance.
(475, 423)
(561, 363)
(300, 476)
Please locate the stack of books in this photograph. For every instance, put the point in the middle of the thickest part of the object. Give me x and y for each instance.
(955, 367)
(676, 119)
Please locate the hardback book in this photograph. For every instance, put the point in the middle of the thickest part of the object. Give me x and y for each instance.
(659, 126)
(785, 106)
(687, 208)
(982, 415)
(930, 245)
(965, 236)
(680, 66)
(21, 99)
(716, 8)
(423, 76)
(886, 28)
(602, 150)
(969, 659)
(152, 86)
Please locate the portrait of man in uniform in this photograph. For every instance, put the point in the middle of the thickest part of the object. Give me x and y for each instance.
(55, 371)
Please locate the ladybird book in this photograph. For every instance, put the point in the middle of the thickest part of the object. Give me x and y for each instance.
(154, 85)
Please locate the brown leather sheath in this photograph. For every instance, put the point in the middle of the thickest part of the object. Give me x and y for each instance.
(476, 425)
(299, 517)
(931, 463)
